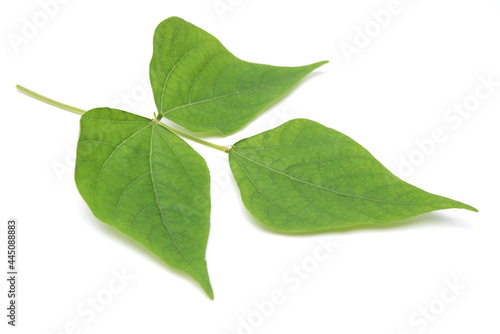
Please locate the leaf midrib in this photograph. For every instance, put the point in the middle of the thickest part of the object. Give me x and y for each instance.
(201, 276)
(165, 112)
(324, 188)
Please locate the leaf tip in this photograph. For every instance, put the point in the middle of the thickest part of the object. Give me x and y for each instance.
(320, 63)
(471, 208)
(208, 290)
(460, 205)
(203, 279)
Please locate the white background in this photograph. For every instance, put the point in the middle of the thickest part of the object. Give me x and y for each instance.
(395, 91)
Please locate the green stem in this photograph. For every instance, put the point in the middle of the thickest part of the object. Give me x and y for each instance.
(54, 103)
(193, 138)
(156, 120)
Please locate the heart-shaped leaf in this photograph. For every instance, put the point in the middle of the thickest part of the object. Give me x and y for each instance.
(305, 177)
(148, 183)
(200, 85)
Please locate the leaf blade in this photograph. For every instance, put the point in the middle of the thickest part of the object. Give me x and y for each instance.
(330, 181)
(200, 85)
(149, 184)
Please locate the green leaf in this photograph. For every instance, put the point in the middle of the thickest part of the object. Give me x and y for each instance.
(305, 177)
(200, 85)
(140, 178)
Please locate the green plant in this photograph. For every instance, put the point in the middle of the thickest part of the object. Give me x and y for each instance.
(137, 175)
